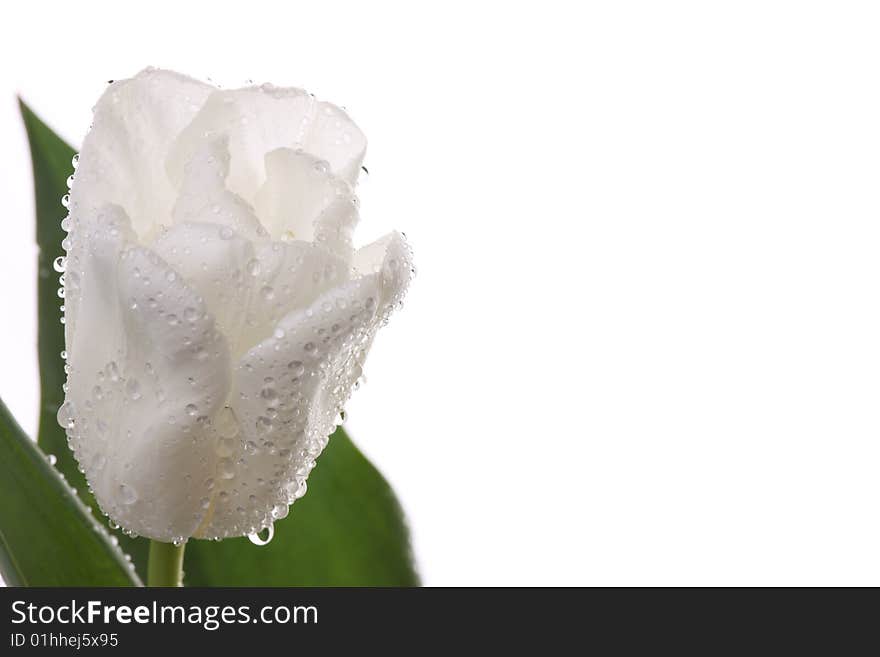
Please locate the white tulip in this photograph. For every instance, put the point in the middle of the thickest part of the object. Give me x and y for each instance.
(217, 316)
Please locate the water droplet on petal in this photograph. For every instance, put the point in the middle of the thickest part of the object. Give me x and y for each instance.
(226, 446)
(253, 267)
(66, 416)
(226, 423)
(256, 539)
(52, 459)
(226, 468)
(127, 494)
(133, 389)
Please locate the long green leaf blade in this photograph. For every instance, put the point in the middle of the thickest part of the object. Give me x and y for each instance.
(51, 159)
(48, 537)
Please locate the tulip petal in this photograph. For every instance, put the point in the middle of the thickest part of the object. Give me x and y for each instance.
(122, 158)
(294, 201)
(290, 388)
(389, 257)
(141, 431)
(261, 119)
(283, 407)
(204, 197)
(286, 276)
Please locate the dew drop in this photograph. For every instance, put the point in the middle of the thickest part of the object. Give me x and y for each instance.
(133, 389)
(192, 410)
(253, 267)
(127, 494)
(280, 511)
(66, 416)
(226, 468)
(256, 539)
(52, 459)
(264, 425)
(226, 423)
(226, 446)
(59, 264)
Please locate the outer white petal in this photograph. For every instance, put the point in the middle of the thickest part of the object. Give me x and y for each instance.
(143, 384)
(284, 408)
(91, 289)
(391, 258)
(122, 158)
(289, 390)
(259, 120)
(286, 276)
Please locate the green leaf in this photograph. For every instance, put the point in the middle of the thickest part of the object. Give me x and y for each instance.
(347, 531)
(48, 537)
(51, 159)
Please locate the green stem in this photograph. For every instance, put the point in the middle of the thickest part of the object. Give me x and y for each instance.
(165, 565)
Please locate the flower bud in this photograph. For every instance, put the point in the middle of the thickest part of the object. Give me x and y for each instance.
(217, 316)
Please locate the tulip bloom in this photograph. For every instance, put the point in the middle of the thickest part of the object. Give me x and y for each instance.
(217, 315)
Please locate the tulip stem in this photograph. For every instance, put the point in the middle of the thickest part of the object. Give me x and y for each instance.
(165, 565)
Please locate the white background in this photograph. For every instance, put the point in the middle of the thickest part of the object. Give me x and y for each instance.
(644, 343)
